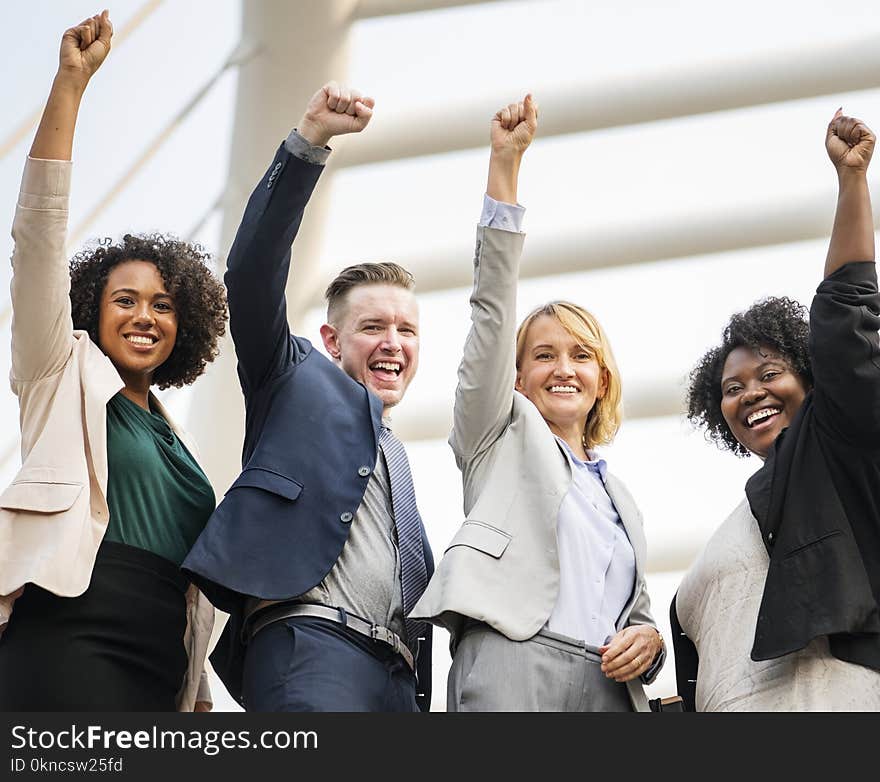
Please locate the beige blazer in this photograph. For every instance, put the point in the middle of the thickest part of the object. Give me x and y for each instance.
(54, 514)
(502, 567)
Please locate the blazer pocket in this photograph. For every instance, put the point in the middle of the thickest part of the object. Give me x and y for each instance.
(40, 497)
(798, 549)
(268, 480)
(482, 537)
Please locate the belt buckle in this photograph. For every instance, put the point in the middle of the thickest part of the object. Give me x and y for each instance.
(379, 633)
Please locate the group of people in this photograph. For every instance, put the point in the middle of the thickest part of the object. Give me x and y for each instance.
(113, 554)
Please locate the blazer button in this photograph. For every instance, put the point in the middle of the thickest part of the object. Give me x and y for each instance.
(346, 517)
(363, 471)
(273, 175)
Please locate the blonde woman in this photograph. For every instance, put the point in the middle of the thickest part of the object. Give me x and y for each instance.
(542, 588)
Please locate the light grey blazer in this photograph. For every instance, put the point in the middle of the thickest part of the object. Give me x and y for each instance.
(502, 566)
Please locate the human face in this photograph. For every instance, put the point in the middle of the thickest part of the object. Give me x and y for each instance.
(560, 376)
(137, 326)
(376, 339)
(760, 394)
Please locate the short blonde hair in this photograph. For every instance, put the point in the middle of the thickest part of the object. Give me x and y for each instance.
(363, 274)
(604, 419)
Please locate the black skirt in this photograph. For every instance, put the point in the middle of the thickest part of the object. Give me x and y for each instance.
(117, 647)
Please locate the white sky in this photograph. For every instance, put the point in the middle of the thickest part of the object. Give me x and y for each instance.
(660, 316)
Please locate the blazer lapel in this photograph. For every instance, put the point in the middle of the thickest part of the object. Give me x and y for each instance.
(629, 516)
(100, 381)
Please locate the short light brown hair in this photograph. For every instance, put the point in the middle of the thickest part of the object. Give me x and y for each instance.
(383, 273)
(604, 419)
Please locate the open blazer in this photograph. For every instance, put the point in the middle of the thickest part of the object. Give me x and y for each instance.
(311, 436)
(502, 567)
(54, 514)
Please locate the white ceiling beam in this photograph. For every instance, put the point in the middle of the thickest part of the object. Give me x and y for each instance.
(431, 418)
(368, 9)
(631, 98)
(585, 247)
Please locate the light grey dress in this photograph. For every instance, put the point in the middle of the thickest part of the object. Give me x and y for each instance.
(717, 606)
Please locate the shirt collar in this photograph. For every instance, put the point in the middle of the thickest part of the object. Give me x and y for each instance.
(594, 464)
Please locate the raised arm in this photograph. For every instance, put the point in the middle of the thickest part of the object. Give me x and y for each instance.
(845, 314)
(41, 326)
(259, 261)
(486, 374)
(850, 144)
(83, 49)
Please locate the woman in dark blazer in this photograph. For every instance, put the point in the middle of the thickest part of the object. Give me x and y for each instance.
(780, 611)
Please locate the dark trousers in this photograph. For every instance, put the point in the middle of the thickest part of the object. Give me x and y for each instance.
(311, 664)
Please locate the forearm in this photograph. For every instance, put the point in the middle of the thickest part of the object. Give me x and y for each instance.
(503, 175)
(852, 238)
(54, 138)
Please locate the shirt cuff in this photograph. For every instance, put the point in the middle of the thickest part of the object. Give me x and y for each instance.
(498, 214)
(299, 147)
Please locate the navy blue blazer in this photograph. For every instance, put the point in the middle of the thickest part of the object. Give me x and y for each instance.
(310, 430)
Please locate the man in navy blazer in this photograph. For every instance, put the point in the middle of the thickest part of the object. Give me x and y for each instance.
(303, 552)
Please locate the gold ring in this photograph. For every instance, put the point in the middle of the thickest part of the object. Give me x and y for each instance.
(638, 662)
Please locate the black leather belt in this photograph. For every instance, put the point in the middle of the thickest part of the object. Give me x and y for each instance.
(275, 613)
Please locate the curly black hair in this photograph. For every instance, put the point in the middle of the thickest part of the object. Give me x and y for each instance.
(199, 297)
(777, 323)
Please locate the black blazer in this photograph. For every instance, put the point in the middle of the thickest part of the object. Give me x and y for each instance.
(817, 496)
(310, 431)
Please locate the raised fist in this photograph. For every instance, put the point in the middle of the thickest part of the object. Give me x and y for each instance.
(333, 110)
(514, 126)
(85, 47)
(849, 142)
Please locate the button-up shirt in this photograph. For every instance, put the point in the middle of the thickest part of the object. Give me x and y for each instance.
(597, 566)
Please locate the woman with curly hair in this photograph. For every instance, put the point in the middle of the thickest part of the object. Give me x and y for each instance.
(542, 588)
(109, 498)
(781, 611)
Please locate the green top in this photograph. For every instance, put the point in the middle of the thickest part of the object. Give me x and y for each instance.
(159, 498)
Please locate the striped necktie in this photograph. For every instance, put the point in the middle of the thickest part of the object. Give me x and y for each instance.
(413, 574)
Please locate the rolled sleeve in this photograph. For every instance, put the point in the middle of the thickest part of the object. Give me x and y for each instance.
(45, 184)
(845, 350)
